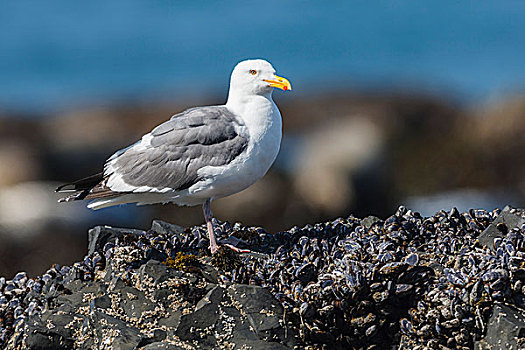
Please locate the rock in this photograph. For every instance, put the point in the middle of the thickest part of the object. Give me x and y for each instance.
(156, 272)
(100, 235)
(158, 336)
(42, 338)
(510, 217)
(263, 311)
(308, 289)
(71, 302)
(505, 328)
(172, 320)
(102, 302)
(370, 221)
(237, 331)
(133, 302)
(161, 346)
(154, 254)
(205, 315)
(213, 297)
(113, 332)
(209, 273)
(163, 227)
(57, 321)
(162, 296)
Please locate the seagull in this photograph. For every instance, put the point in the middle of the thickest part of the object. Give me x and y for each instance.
(198, 155)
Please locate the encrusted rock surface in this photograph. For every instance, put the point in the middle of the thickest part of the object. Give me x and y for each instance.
(450, 281)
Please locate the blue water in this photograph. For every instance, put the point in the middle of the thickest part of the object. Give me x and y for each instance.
(56, 54)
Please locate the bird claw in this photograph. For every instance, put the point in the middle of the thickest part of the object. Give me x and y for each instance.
(238, 250)
(214, 249)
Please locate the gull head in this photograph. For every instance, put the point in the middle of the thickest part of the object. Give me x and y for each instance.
(256, 77)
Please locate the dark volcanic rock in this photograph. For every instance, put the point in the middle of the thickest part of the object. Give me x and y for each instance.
(205, 315)
(102, 302)
(241, 332)
(133, 302)
(508, 219)
(370, 221)
(156, 272)
(505, 330)
(100, 235)
(172, 319)
(263, 311)
(41, 338)
(161, 346)
(163, 227)
(112, 331)
(403, 282)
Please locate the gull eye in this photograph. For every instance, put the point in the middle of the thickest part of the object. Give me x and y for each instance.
(253, 72)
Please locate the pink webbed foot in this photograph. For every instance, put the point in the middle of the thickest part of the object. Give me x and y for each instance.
(206, 207)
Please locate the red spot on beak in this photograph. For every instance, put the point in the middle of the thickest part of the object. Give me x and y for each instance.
(285, 87)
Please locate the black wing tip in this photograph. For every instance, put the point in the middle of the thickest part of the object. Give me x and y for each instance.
(82, 184)
(78, 195)
(67, 188)
(62, 188)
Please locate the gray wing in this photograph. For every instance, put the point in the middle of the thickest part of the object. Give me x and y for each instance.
(193, 139)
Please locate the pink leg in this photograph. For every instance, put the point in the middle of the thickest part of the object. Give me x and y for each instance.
(206, 208)
(208, 215)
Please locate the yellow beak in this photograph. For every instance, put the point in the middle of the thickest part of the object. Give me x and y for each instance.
(280, 83)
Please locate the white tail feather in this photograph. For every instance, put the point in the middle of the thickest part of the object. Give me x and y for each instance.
(105, 203)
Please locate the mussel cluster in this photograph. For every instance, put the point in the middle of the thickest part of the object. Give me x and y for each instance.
(407, 280)
(24, 297)
(356, 283)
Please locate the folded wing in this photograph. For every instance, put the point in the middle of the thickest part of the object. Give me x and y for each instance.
(169, 157)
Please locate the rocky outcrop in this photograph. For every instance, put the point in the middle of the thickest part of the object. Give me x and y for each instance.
(499, 228)
(506, 329)
(450, 281)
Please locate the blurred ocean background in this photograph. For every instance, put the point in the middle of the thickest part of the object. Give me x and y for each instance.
(393, 102)
(56, 54)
